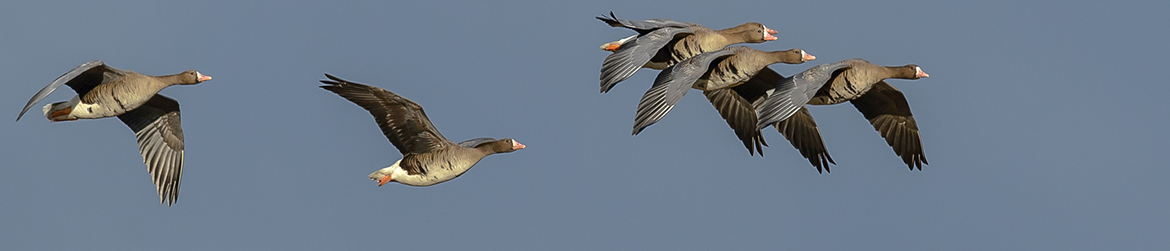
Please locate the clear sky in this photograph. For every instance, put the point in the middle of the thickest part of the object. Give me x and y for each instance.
(1044, 123)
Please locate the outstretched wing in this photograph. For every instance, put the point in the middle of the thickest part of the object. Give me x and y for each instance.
(801, 130)
(632, 55)
(670, 86)
(641, 26)
(793, 93)
(740, 116)
(82, 79)
(886, 109)
(157, 127)
(402, 121)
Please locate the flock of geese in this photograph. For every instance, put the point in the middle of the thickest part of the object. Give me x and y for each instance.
(749, 95)
(736, 80)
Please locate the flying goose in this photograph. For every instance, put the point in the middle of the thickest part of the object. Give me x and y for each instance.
(715, 73)
(662, 42)
(861, 83)
(427, 157)
(104, 91)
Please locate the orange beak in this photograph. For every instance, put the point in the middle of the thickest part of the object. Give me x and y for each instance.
(921, 74)
(517, 146)
(200, 77)
(384, 180)
(808, 57)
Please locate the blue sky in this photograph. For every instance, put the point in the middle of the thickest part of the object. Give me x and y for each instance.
(1043, 123)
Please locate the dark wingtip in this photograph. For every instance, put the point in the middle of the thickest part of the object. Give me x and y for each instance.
(823, 168)
(821, 163)
(334, 78)
(608, 20)
(759, 143)
(606, 87)
(917, 163)
(759, 146)
(333, 82)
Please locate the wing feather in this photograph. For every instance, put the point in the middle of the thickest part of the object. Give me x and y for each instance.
(887, 110)
(403, 121)
(157, 127)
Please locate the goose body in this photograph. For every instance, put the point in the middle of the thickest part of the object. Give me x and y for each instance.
(428, 158)
(104, 91)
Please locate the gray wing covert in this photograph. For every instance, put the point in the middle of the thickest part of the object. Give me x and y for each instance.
(640, 26)
(794, 92)
(623, 63)
(81, 79)
(671, 85)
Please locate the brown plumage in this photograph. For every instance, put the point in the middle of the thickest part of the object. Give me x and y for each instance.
(705, 39)
(104, 91)
(855, 81)
(714, 73)
(428, 158)
(800, 130)
(862, 84)
(739, 69)
(664, 42)
(887, 110)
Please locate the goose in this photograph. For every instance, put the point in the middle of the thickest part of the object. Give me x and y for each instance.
(861, 83)
(715, 73)
(427, 157)
(104, 91)
(662, 42)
